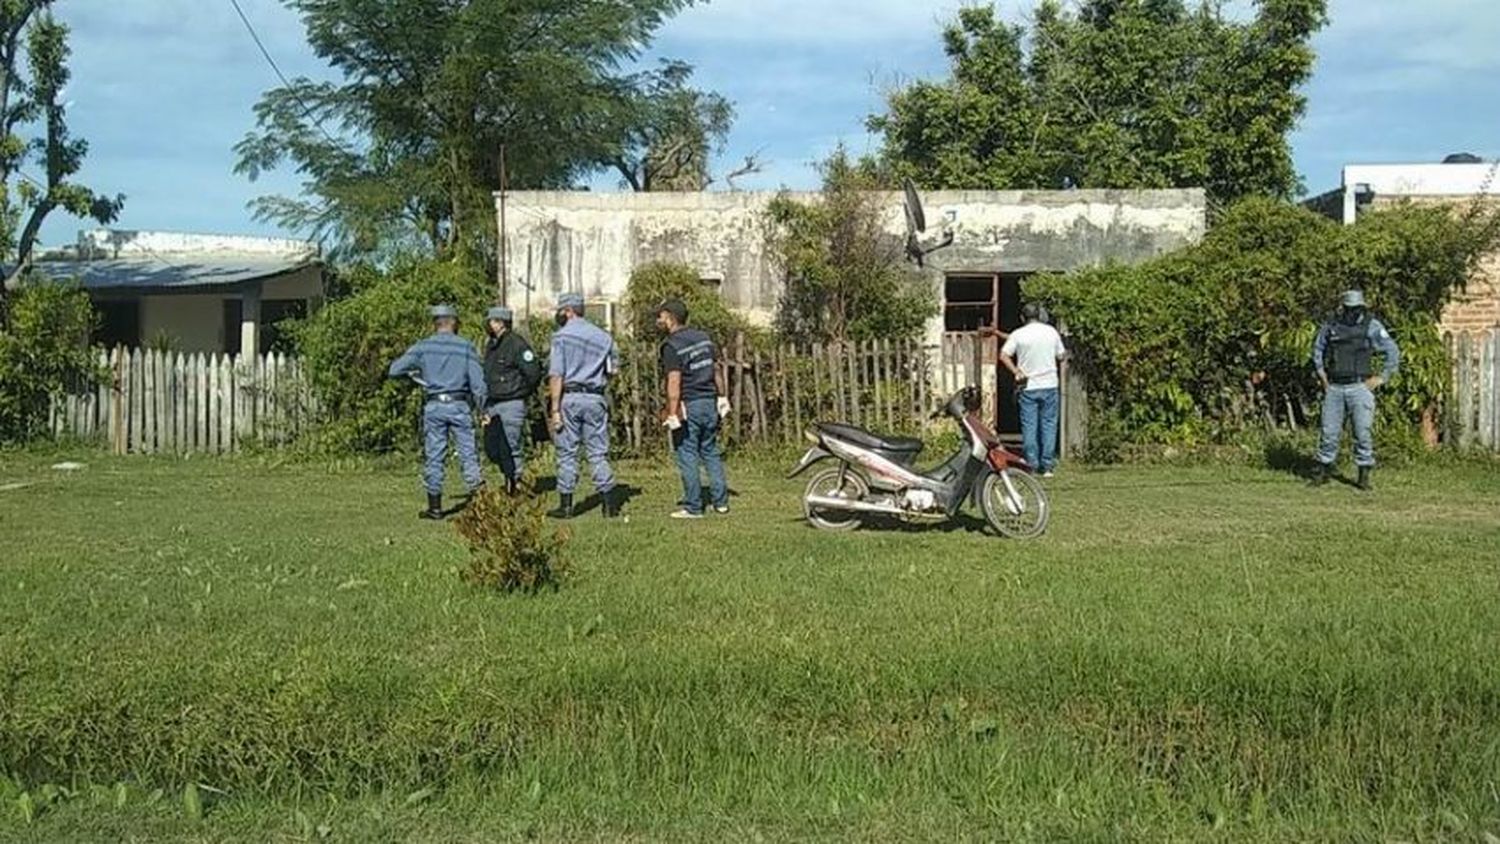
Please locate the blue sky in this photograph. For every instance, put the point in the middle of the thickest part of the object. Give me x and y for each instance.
(163, 89)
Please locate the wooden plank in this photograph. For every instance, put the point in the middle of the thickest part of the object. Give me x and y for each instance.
(739, 387)
(1489, 390)
(856, 396)
(1466, 389)
(231, 443)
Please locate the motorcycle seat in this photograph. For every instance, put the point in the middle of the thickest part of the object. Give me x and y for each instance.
(865, 439)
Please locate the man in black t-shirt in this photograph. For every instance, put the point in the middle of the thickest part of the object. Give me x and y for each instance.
(695, 404)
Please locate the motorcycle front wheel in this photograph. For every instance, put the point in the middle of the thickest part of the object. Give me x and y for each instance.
(1015, 504)
(834, 483)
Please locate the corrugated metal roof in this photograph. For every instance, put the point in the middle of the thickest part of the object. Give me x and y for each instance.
(168, 273)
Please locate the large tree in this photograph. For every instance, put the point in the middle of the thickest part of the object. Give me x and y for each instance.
(33, 73)
(1118, 94)
(405, 148)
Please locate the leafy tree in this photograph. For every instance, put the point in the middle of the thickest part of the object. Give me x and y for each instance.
(33, 73)
(846, 277)
(674, 132)
(1120, 94)
(651, 284)
(404, 150)
(43, 351)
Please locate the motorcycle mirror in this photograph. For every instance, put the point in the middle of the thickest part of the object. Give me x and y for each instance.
(916, 218)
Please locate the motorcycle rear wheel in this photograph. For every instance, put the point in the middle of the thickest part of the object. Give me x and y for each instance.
(829, 484)
(1015, 504)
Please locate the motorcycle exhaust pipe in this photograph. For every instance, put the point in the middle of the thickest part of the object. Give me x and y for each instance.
(847, 505)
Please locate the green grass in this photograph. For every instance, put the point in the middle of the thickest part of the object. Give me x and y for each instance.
(1190, 654)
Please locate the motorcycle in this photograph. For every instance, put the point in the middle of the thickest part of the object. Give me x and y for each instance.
(876, 476)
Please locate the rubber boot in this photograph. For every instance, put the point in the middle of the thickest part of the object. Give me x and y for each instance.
(1364, 479)
(434, 509)
(1320, 474)
(611, 504)
(564, 507)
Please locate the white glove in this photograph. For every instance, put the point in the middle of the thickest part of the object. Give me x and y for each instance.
(673, 423)
(723, 405)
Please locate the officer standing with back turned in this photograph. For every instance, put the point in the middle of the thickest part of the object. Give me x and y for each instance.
(1342, 355)
(447, 368)
(582, 360)
(512, 373)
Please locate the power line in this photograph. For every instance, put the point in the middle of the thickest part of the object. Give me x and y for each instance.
(255, 36)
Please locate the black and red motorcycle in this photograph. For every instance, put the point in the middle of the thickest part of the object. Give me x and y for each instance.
(875, 476)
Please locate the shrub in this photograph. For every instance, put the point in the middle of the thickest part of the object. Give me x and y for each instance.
(348, 345)
(651, 284)
(44, 350)
(513, 547)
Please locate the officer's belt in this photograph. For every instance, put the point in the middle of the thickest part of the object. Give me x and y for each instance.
(448, 397)
(583, 388)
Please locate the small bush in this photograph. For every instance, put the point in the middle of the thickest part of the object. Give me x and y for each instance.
(512, 545)
(651, 284)
(44, 350)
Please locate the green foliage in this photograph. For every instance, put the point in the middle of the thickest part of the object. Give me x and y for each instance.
(672, 133)
(348, 345)
(1119, 94)
(33, 74)
(43, 351)
(404, 151)
(513, 546)
(1204, 343)
(651, 284)
(846, 278)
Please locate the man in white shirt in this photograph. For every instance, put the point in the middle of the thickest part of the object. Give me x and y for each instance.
(1033, 353)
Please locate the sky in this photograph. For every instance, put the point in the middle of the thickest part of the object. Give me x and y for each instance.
(164, 89)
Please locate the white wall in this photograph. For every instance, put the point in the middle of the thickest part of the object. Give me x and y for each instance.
(1423, 179)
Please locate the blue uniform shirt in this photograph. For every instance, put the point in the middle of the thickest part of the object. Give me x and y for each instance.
(583, 354)
(1380, 340)
(448, 363)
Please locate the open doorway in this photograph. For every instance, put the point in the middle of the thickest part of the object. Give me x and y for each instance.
(972, 301)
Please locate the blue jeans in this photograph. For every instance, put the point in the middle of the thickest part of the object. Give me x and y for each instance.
(439, 420)
(697, 445)
(1039, 428)
(502, 437)
(1354, 400)
(585, 419)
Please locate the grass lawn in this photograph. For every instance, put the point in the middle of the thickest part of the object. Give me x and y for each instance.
(1190, 654)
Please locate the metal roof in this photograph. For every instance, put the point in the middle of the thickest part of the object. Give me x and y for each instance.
(187, 273)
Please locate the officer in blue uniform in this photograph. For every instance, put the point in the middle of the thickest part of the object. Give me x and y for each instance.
(695, 404)
(582, 360)
(511, 373)
(1342, 355)
(447, 368)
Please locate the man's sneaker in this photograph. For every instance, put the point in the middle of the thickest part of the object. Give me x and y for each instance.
(1049, 474)
(686, 514)
(723, 511)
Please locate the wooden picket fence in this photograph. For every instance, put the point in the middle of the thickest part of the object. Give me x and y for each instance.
(154, 402)
(1474, 414)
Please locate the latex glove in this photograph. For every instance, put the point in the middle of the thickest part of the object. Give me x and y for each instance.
(672, 423)
(723, 405)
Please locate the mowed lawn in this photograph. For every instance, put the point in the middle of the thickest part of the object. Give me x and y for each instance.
(1190, 654)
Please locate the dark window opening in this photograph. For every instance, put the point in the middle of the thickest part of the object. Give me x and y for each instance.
(119, 324)
(273, 313)
(970, 302)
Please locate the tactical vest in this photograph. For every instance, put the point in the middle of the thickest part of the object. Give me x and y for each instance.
(1348, 354)
(696, 352)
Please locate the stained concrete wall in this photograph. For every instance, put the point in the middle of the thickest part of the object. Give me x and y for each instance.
(590, 242)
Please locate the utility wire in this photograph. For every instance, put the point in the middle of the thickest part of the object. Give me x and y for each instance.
(255, 36)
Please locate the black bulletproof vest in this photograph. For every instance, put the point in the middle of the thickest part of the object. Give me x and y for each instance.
(696, 352)
(1347, 357)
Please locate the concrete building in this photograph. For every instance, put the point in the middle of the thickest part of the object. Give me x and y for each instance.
(1367, 187)
(190, 292)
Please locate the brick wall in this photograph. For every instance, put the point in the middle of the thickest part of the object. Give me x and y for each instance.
(1478, 308)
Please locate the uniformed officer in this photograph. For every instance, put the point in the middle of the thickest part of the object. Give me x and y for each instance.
(582, 360)
(695, 404)
(1342, 355)
(511, 374)
(447, 368)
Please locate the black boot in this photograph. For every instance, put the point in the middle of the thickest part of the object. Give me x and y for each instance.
(1320, 474)
(434, 507)
(611, 503)
(564, 507)
(1364, 479)
(512, 486)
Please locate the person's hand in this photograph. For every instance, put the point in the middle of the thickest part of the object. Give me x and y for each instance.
(1374, 382)
(723, 406)
(484, 419)
(555, 421)
(1323, 379)
(672, 423)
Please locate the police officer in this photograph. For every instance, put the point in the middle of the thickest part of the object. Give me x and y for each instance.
(695, 404)
(1342, 356)
(511, 374)
(582, 360)
(447, 368)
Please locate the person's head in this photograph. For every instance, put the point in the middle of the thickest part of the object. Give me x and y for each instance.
(1031, 312)
(499, 320)
(1352, 307)
(569, 306)
(671, 315)
(444, 318)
